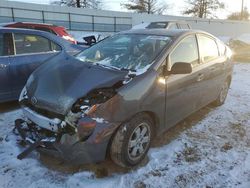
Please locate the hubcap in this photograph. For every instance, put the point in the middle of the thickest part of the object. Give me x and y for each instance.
(223, 93)
(139, 141)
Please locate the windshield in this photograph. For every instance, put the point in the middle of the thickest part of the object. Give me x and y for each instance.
(125, 51)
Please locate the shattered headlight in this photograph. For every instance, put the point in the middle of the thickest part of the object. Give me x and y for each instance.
(89, 103)
(82, 113)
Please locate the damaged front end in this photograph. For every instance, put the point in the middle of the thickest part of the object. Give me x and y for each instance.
(80, 136)
(70, 109)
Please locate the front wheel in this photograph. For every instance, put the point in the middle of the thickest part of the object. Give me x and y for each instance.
(132, 141)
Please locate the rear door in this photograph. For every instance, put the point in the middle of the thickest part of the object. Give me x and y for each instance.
(213, 65)
(6, 49)
(30, 52)
(183, 91)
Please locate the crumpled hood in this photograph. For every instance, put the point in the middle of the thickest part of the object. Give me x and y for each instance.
(56, 85)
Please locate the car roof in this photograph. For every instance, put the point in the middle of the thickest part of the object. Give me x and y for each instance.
(5, 24)
(164, 32)
(12, 29)
(29, 23)
(168, 21)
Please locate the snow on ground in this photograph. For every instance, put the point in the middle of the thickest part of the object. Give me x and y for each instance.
(244, 38)
(209, 149)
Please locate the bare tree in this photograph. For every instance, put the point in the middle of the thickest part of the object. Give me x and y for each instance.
(244, 15)
(146, 6)
(94, 4)
(203, 8)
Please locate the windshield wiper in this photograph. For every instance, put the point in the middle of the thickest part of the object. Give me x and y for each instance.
(132, 71)
(107, 66)
(126, 69)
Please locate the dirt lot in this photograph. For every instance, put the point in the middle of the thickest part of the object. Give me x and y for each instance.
(211, 148)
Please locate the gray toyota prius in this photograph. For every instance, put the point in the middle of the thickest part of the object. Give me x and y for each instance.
(115, 97)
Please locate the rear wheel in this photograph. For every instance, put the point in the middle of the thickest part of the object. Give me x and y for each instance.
(132, 141)
(223, 94)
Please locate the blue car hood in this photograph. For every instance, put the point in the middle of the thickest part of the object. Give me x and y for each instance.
(58, 83)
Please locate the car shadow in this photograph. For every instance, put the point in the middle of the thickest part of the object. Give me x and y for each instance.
(107, 168)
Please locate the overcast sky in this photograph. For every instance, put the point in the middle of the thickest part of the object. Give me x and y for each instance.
(175, 6)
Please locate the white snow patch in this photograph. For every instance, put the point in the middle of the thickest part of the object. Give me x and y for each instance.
(99, 120)
(244, 38)
(224, 39)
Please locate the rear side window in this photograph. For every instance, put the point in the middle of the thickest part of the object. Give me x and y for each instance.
(208, 48)
(27, 44)
(186, 51)
(55, 47)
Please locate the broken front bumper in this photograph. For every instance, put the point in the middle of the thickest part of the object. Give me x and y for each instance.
(63, 145)
(44, 122)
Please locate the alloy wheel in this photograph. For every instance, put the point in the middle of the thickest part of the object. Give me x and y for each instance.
(139, 141)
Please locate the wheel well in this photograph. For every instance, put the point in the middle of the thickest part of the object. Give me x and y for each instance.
(154, 117)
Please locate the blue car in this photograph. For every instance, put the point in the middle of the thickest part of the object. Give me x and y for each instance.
(21, 52)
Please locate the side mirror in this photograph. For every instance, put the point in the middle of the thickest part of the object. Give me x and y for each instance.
(181, 68)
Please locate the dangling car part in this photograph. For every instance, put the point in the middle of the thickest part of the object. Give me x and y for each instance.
(114, 97)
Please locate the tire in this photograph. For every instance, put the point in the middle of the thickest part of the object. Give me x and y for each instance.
(132, 141)
(223, 94)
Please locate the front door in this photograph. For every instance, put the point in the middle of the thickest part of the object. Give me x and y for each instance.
(183, 91)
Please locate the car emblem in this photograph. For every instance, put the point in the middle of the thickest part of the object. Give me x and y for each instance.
(33, 100)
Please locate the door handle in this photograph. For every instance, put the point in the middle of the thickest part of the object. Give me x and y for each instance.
(3, 66)
(200, 77)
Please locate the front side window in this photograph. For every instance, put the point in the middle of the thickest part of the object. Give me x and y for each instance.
(208, 48)
(125, 51)
(185, 52)
(26, 44)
